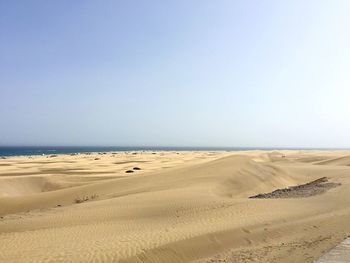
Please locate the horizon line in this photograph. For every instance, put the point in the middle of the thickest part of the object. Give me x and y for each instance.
(169, 146)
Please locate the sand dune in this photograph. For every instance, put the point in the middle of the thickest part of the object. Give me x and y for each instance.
(180, 207)
(339, 161)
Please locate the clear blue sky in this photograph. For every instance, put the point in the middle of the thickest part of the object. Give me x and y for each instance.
(175, 73)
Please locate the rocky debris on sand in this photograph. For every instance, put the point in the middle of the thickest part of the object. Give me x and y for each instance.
(315, 187)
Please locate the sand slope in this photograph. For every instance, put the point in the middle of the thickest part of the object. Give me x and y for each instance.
(180, 207)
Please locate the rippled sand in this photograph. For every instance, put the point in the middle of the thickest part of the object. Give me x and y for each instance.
(176, 207)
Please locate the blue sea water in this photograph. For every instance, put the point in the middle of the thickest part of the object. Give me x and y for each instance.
(46, 150)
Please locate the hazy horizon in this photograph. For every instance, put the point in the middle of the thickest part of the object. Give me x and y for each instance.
(258, 74)
(151, 147)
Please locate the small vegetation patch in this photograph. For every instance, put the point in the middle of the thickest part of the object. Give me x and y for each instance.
(129, 171)
(85, 198)
(136, 168)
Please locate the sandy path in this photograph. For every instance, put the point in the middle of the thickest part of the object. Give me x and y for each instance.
(181, 207)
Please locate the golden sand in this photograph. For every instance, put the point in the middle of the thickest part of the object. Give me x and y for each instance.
(177, 207)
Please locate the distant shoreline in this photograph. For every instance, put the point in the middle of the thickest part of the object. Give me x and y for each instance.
(6, 151)
(48, 150)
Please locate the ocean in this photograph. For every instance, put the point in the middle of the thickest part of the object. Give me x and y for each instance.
(47, 150)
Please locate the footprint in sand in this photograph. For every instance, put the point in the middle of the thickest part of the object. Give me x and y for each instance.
(245, 230)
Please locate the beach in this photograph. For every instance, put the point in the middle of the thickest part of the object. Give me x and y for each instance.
(174, 206)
